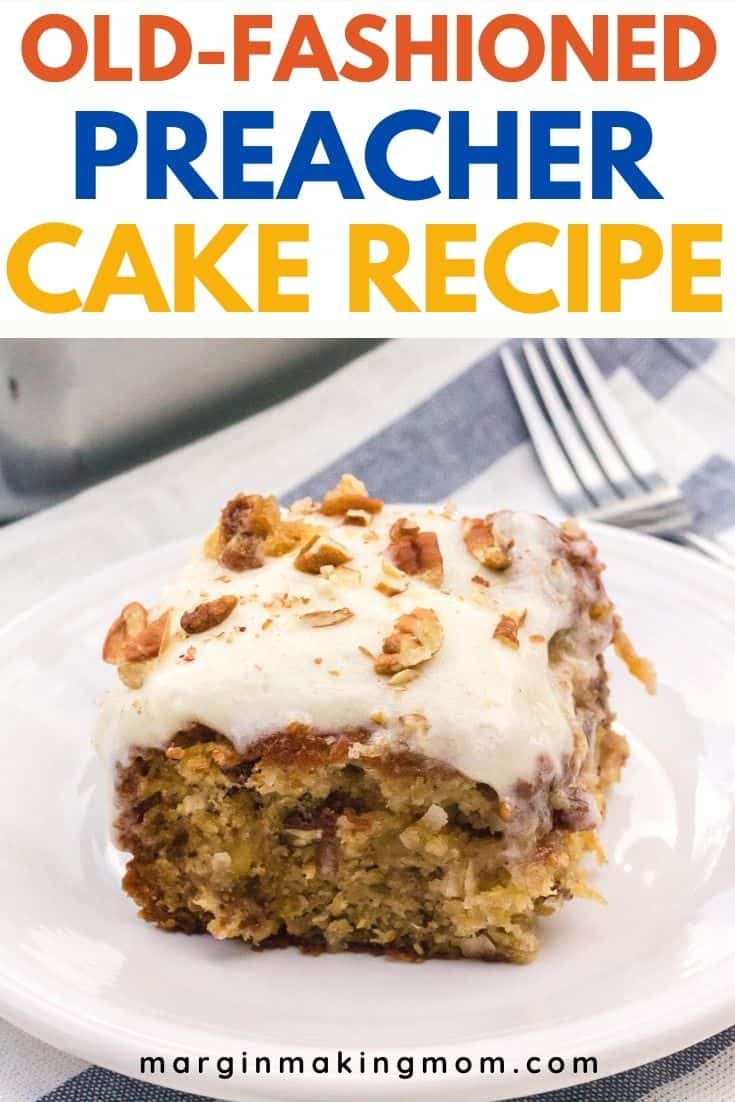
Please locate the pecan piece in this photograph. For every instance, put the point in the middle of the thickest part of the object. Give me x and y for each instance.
(392, 581)
(327, 618)
(506, 629)
(250, 515)
(358, 518)
(321, 551)
(287, 536)
(129, 624)
(132, 674)
(247, 532)
(349, 493)
(151, 640)
(483, 542)
(243, 553)
(415, 552)
(208, 615)
(403, 677)
(133, 638)
(417, 637)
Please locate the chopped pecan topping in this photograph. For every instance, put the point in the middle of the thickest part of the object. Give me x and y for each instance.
(129, 624)
(133, 641)
(250, 528)
(132, 674)
(133, 638)
(415, 552)
(243, 553)
(392, 581)
(404, 526)
(403, 677)
(287, 536)
(483, 542)
(151, 640)
(213, 544)
(250, 515)
(417, 637)
(349, 493)
(327, 618)
(359, 518)
(245, 523)
(506, 629)
(321, 551)
(208, 615)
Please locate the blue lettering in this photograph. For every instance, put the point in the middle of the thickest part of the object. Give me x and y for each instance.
(320, 130)
(236, 154)
(544, 154)
(89, 157)
(376, 155)
(504, 154)
(606, 159)
(161, 159)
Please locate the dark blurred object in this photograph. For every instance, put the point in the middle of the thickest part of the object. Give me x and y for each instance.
(75, 411)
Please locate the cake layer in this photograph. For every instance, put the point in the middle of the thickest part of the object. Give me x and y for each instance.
(329, 843)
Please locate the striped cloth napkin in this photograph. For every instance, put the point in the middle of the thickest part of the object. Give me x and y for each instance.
(417, 420)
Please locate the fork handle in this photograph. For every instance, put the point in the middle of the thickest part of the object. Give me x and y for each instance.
(706, 545)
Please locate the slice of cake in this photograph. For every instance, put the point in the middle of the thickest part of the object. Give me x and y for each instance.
(354, 726)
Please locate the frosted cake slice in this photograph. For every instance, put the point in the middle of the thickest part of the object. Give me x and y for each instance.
(354, 726)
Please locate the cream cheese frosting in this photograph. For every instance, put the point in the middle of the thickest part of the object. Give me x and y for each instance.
(490, 710)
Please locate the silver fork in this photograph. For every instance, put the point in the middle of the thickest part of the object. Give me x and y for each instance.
(596, 463)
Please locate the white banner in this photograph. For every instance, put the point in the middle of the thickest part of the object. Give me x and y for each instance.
(408, 168)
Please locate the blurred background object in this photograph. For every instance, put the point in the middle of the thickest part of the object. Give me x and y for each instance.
(73, 412)
(596, 463)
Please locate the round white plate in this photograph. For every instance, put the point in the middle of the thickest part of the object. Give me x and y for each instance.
(651, 972)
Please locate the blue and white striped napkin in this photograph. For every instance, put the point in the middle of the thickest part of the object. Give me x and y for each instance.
(417, 420)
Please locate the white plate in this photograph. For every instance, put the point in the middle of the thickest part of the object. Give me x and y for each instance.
(651, 972)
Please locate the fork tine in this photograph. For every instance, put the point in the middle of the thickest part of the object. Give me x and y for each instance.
(550, 454)
(590, 422)
(624, 436)
(587, 470)
(667, 507)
